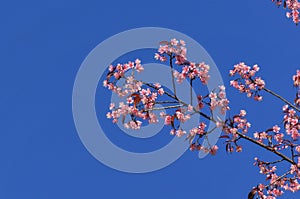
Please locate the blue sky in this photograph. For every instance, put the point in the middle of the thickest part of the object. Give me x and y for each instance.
(42, 47)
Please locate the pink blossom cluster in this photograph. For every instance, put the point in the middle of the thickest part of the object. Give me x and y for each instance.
(277, 184)
(139, 101)
(193, 71)
(273, 136)
(140, 98)
(122, 111)
(212, 150)
(118, 72)
(138, 105)
(291, 122)
(194, 137)
(296, 79)
(247, 82)
(180, 116)
(174, 48)
(218, 99)
(275, 139)
(238, 123)
(293, 6)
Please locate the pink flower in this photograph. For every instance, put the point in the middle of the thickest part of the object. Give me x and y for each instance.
(219, 124)
(258, 98)
(105, 83)
(239, 149)
(260, 83)
(190, 108)
(152, 118)
(129, 100)
(168, 120)
(163, 58)
(157, 56)
(285, 107)
(255, 68)
(111, 106)
(276, 129)
(180, 133)
(298, 149)
(161, 91)
(212, 95)
(182, 43)
(242, 113)
(214, 150)
(157, 85)
(256, 135)
(174, 42)
(296, 78)
(222, 88)
(108, 115)
(172, 132)
(162, 114)
(180, 59)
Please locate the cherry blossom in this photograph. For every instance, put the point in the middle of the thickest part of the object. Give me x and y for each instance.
(139, 100)
(246, 81)
(293, 6)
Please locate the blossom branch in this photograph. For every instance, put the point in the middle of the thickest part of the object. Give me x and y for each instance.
(281, 98)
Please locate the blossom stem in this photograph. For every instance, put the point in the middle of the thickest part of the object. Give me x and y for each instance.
(166, 102)
(281, 98)
(173, 79)
(268, 148)
(279, 178)
(191, 91)
(163, 108)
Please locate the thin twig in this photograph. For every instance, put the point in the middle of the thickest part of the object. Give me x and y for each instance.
(267, 148)
(173, 79)
(275, 162)
(279, 178)
(281, 98)
(166, 102)
(191, 91)
(162, 108)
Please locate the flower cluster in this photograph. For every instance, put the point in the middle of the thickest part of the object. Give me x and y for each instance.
(193, 71)
(293, 6)
(118, 72)
(140, 98)
(273, 136)
(246, 82)
(138, 105)
(122, 111)
(296, 79)
(238, 123)
(219, 100)
(198, 132)
(291, 122)
(173, 48)
(180, 116)
(277, 184)
(275, 140)
(176, 49)
(138, 102)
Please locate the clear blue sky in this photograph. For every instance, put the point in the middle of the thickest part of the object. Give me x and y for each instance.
(43, 45)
